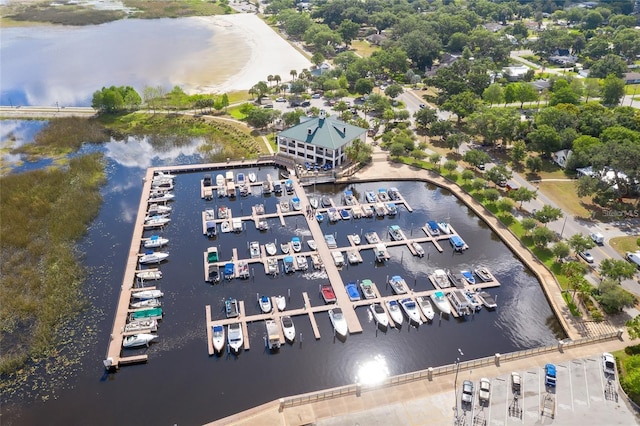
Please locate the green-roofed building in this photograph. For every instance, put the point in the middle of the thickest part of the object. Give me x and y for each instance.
(320, 140)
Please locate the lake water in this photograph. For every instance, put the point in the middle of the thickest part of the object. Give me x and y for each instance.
(65, 65)
(181, 384)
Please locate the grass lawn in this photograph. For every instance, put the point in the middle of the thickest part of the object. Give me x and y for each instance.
(564, 195)
(235, 113)
(364, 48)
(239, 96)
(632, 89)
(625, 244)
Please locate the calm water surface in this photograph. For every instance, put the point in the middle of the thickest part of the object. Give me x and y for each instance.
(181, 384)
(49, 65)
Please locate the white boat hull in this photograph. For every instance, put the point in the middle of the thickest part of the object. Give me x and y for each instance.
(379, 315)
(395, 313)
(137, 340)
(338, 321)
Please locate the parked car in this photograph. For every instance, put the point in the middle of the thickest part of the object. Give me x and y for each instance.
(484, 394)
(467, 392)
(422, 106)
(550, 375)
(481, 166)
(633, 257)
(586, 256)
(305, 104)
(281, 99)
(515, 383)
(608, 364)
(315, 96)
(597, 238)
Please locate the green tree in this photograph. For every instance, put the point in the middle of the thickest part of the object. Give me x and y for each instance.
(467, 175)
(528, 224)
(348, 30)
(617, 270)
(450, 166)
(542, 236)
(475, 157)
(359, 151)
(504, 205)
(547, 214)
(545, 139)
(627, 43)
(579, 242)
(425, 117)
(518, 152)
(613, 297)
(456, 139)
(317, 58)
(560, 250)
(363, 86)
(524, 92)
(534, 164)
(260, 117)
(397, 149)
(493, 94)
(612, 90)
(633, 327)
(435, 159)
(498, 174)
(393, 91)
(522, 195)
(462, 104)
(610, 64)
(491, 194)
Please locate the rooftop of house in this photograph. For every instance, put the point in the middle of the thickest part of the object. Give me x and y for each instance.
(323, 131)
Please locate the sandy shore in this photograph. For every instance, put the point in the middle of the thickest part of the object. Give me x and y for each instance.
(261, 52)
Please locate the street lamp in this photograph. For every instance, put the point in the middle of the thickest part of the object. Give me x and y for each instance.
(455, 384)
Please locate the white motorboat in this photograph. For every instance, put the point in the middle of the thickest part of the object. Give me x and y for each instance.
(379, 315)
(396, 233)
(153, 257)
(459, 302)
(271, 249)
(265, 304)
(474, 301)
(156, 221)
(352, 257)
(146, 303)
(217, 337)
(381, 253)
(411, 310)
(281, 303)
(220, 180)
(231, 308)
(355, 238)
(284, 248)
(394, 311)
(418, 248)
(372, 237)
(163, 175)
(367, 289)
(272, 266)
(439, 279)
(425, 306)
(156, 183)
(288, 264)
(301, 263)
(438, 298)
(243, 269)
(296, 245)
(296, 204)
(254, 249)
(263, 225)
(137, 340)
(444, 227)
(288, 329)
(487, 300)
(141, 325)
(155, 241)
(313, 202)
(223, 212)
(225, 227)
(160, 197)
(398, 285)
(312, 244)
(158, 209)
(235, 338)
(484, 274)
(149, 275)
(338, 321)
(252, 177)
(147, 294)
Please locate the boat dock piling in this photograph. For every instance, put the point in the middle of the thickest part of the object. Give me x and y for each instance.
(245, 331)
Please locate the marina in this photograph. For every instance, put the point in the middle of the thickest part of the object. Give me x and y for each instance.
(326, 256)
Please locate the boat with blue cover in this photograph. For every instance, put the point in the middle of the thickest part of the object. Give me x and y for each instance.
(229, 271)
(352, 291)
(433, 228)
(468, 276)
(458, 243)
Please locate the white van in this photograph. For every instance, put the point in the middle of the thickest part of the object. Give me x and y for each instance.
(597, 238)
(634, 257)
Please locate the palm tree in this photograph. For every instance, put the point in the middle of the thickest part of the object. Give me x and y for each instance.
(293, 74)
(277, 78)
(269, 79)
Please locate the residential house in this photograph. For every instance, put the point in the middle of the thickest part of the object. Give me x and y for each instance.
(563, 57)
(561, 157)
(632, 78)
(320, 140)
(515, 73)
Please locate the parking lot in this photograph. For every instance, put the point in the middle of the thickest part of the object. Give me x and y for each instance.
(583, 396)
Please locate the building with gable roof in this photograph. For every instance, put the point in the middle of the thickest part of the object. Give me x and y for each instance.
(320, 140)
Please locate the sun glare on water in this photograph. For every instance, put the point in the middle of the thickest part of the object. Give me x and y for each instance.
(372, 372)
